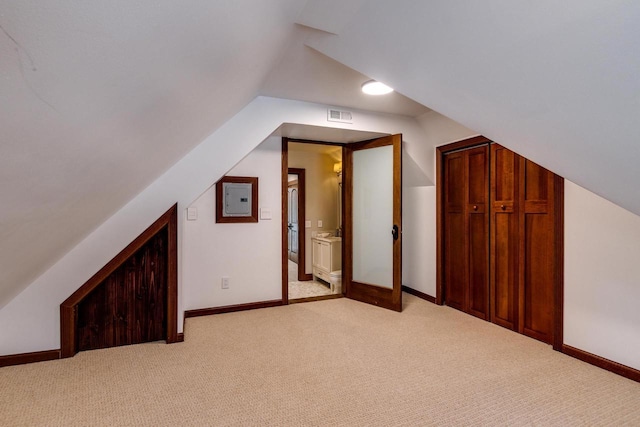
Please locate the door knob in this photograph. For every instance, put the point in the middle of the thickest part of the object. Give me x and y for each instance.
(503, 207)
(475, 207)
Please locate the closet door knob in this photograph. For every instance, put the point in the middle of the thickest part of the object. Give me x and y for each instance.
(503, 207)
(475, 207)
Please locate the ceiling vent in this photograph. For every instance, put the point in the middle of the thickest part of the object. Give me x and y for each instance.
(339, 116)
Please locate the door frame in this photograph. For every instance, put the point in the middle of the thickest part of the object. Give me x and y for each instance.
(558, 309)
(301, 216)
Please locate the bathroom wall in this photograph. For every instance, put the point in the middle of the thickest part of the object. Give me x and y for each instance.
(321, 189)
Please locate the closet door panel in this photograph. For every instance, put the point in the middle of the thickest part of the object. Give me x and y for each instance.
(504, 176)
(455, 276)
(538, 275)
(455, 262)
(478, 280)
(503, 289)
(538, 252)
(454, 183)
(536, 182)
(478, 228)
(504, 236)
(477, 178)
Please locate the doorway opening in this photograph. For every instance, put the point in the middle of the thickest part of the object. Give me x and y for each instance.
(353, 243)
(313, 220)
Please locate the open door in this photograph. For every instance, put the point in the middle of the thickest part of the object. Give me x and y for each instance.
(373, 221)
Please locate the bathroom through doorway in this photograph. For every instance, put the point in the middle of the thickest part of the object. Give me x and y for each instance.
(314, 221)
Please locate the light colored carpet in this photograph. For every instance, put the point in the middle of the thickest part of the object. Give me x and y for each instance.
(332, 362)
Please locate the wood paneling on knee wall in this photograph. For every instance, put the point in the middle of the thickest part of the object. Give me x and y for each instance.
(132, 299)
(128, 307)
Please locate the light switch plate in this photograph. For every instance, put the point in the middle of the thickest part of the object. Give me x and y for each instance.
(307, 224)
(319, 223)
(192, 214)
(265, 213)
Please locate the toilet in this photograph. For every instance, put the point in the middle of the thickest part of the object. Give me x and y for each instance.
(335, 281)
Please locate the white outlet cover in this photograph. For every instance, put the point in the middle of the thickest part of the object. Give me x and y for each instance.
(319, 223)
(307, 224)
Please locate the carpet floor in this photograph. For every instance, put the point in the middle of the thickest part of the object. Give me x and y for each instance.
(332, 362)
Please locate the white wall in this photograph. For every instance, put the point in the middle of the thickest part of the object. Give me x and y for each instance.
(440, 130)
(601, 277)
(321, 194)
(248, 253)
(419, 202)
(213, 250)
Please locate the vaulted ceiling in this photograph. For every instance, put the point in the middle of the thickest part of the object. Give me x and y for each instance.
(99, 98)
(558, 82)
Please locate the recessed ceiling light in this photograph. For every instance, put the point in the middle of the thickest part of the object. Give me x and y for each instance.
(373, 87)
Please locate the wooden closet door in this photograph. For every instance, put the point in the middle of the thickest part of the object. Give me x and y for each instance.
(538, 262)
(500, 248)
(454, 257)
(466, 230)
(129, 306)
(505, 165)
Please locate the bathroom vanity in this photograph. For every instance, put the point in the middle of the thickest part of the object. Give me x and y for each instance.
(326, 256)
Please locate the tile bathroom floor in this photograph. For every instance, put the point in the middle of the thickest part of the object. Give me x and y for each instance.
(307, 289)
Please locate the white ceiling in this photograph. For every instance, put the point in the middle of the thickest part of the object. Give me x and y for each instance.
(307, 75)
(97, 99)
(323, 134)
(558, 82)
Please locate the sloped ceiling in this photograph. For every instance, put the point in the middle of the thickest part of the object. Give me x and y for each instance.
(558, 82)
(97, 99)
(305, 74)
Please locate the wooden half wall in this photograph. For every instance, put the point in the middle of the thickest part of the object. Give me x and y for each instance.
(69, 308)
